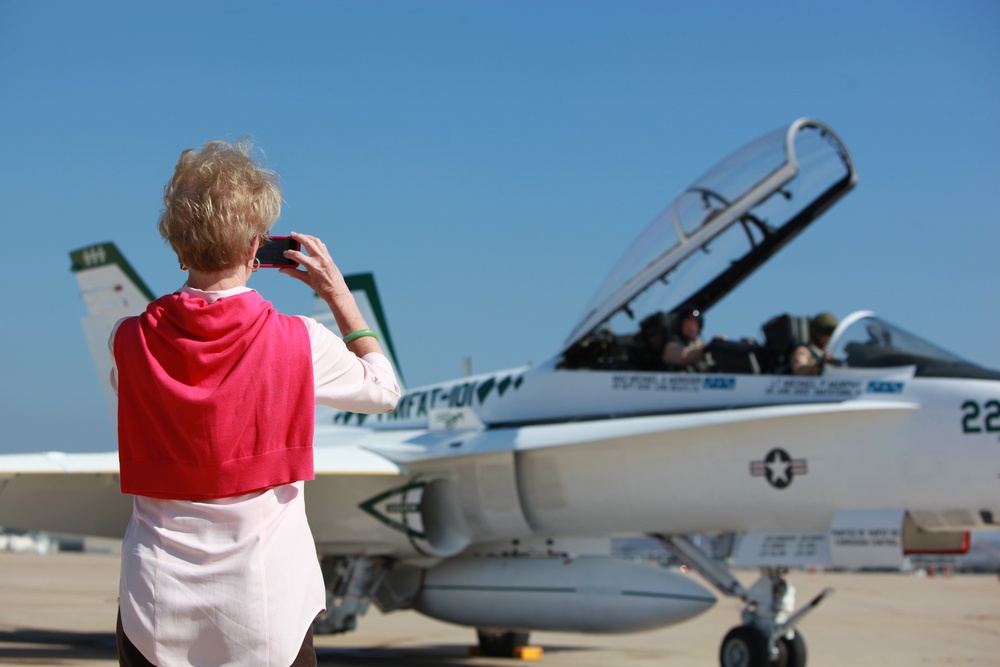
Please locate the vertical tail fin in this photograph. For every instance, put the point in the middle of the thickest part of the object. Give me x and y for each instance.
(111, 290)
(365, 293)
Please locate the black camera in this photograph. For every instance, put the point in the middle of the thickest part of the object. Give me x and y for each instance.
(272, 253)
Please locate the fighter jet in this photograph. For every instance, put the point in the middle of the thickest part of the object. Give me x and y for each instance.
(490, 501)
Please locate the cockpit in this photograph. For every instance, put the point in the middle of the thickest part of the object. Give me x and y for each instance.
(713, 236)
(862, 340)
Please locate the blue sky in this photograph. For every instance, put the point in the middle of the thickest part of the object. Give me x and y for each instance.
(489, 161)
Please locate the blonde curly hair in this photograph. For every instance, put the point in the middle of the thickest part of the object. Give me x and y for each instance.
(218, 201)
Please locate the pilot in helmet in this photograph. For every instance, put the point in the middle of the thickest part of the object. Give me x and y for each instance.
(685, 351)
(810, 358)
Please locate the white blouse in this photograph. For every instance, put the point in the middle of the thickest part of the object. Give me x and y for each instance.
(236, 581)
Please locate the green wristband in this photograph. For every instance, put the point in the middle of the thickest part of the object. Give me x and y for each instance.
(360, 333)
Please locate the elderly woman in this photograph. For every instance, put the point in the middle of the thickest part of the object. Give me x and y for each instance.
(216, 399)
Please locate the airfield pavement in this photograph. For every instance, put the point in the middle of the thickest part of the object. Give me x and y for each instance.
(59, 609)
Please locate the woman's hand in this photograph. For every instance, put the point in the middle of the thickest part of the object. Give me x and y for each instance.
(317, 269)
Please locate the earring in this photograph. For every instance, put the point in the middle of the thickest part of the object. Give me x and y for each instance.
(254, 265)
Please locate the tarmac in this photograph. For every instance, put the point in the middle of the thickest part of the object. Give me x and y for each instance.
(59, 609)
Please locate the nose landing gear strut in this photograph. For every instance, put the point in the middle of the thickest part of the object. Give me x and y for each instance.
(767, 637)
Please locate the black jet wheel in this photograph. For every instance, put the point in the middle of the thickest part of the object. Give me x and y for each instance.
(792, 651)
(500, 644)
(744, 646)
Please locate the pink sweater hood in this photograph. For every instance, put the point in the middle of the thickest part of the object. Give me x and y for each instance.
(215, 399)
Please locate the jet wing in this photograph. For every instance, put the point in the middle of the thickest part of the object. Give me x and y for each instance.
(80, 493)
(63, 493)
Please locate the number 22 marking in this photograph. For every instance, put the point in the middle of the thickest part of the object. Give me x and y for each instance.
(970, 421)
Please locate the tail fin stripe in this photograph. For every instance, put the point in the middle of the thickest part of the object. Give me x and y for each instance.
(106, 254)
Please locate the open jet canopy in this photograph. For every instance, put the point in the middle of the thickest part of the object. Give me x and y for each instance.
(721, 229)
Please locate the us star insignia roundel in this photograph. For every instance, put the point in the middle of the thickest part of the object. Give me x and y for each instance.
(778, 468)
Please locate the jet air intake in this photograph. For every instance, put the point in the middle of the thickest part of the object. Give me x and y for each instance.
(428, 512)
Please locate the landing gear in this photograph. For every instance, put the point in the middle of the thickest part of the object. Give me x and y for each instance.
(746, 646)
(351, 582)
(768, 637)
(500, 643)
(793, 650)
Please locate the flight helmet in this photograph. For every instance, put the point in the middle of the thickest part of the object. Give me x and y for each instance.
(822, 325)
